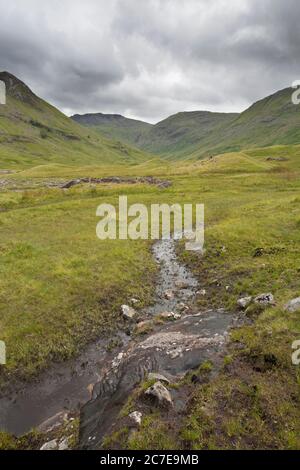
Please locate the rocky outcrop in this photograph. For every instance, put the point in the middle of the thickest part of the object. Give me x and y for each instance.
(243, 302)
(128, 312)
(117, 180)
(264, 299)
(160, 395)
(51, 445)
(293, 305)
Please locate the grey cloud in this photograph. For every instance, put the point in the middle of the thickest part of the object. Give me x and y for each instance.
(151, 58)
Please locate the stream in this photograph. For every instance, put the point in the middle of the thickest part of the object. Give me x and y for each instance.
(99, 381)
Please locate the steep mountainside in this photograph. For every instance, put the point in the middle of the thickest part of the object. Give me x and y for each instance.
(274, 120)
(33, 132)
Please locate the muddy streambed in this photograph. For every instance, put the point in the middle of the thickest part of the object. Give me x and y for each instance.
(99, 380)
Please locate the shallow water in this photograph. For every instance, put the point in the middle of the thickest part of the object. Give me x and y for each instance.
(108, 377)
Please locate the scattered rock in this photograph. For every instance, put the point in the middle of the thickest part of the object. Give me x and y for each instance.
(243, 302)
(258, 252)
(136, 417)
(160, 394)
(134, 301)
(128, 312)
(181, 284)
(159, 377)
(182, 306)
(293, 305)
(265, 299)
(170, 316)
(277, 159)
(201, 292)
(227, 288)
(64, 444)
(51, 445)
(169, 295)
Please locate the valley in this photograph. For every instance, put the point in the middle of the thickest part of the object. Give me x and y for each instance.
(62, 289)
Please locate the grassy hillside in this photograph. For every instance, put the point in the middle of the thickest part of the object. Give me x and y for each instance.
(271, 121)
(60, 283)
(115, 126)
(33, 132)
(176, 136)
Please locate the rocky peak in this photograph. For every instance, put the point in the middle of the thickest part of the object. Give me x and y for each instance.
(18, 89)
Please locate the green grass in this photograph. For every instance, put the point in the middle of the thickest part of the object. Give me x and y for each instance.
(60, 286)
(58, 281)
(254, 401)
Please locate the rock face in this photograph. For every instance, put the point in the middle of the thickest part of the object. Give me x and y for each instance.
(265, 299)
(243, 302)
(51, 445)
(160, 394)
(293, 305)
(128, 312)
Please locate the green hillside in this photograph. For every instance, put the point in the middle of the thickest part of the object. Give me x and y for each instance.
(176, 136)
(115, 126)
(180, 134)
(32, 132)
(271, 121)
(274, 120)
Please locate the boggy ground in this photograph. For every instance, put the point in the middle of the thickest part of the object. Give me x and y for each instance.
(59, 283)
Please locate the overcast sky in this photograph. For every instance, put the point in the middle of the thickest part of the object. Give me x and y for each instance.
(151, 58)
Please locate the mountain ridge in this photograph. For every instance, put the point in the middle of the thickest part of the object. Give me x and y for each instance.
(33, 132)
(272, 120)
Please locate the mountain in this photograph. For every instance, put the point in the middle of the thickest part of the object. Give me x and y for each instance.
(271, 121)
(184, 132)
(274, 120)
(177, 135)
(32, 132)
(115, 126)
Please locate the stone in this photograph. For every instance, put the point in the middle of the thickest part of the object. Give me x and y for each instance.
(201, 292)
(293, 305)
(264, 299)
(169, 295)
(160, 394)
(136, 417)
(177, 316)
(117, 360)
(181, 284)
(158, 377)
(243, 302)
(51, 445)
(128, 312)
(170, 316)
(64, 444)
(134, 301)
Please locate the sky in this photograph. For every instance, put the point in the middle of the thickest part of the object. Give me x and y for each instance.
(148, 59)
